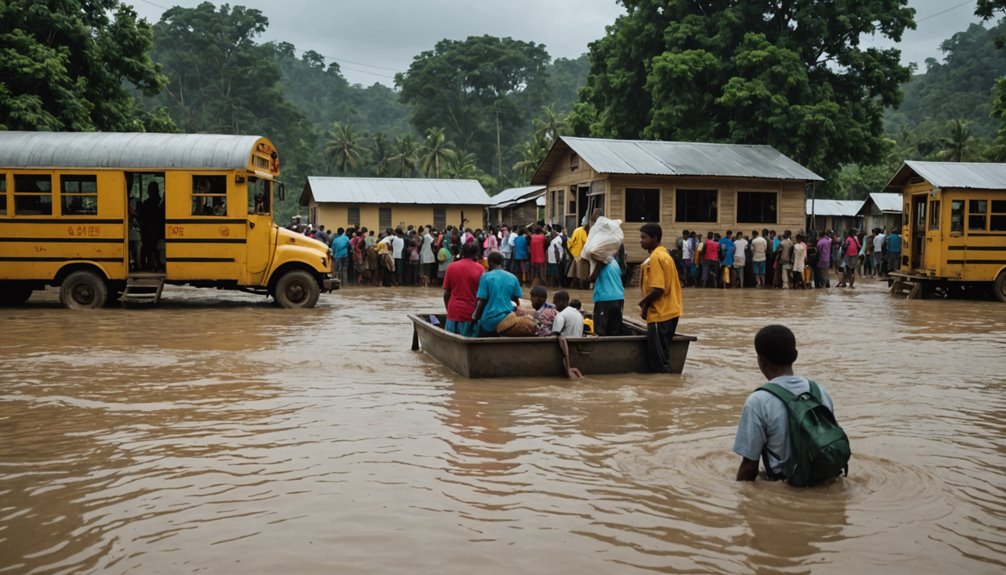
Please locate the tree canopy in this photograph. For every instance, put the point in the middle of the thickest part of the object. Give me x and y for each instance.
(68, 66)
(790, 74)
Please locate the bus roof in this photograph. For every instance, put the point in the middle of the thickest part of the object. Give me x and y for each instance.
(126, 150)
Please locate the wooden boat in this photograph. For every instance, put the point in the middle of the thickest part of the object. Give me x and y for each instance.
(538, 356)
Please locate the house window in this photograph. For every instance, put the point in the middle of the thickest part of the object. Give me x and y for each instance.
(757, 207)
(696, 206)
(934, 216)
(439, 218)
(3, 194)
(997, 219)
(957, 216)
(353, 217)
(642, 205)
(978, 215)
(574, 162)
(384, 218)
(79, 195)
(33, 195)
(209, 195)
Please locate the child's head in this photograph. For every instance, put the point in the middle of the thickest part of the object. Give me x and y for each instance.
(575, 304)
(539, 295)
(561, 300)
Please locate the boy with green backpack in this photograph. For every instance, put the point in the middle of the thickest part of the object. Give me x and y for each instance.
(789, 422)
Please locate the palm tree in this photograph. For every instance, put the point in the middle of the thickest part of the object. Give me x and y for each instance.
(462, 166)
(958, 144)
(343, 147)
(380, 155)
(435, 152)
(405, 158)
(531, 154)
(549, 126)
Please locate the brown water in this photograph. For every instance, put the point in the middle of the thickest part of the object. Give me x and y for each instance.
(217, 433)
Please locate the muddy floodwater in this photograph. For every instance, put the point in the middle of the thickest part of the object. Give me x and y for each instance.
(216, 433)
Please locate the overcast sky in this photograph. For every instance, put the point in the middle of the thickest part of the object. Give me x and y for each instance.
(373, 39)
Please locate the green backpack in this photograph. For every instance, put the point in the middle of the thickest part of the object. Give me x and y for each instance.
(818, 445)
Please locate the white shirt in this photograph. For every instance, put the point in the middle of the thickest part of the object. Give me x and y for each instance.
(740, 257)
(758, 247)
(878, 243)
(397, 246)
(568, 322)
(505, 246)
(799, 256)
(687, 249)
(555, 243)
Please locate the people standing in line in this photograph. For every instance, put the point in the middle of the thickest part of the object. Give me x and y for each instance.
(398, 253)
(764, 432)
(785, 260)
(727, 249)
(461, 284)
(710, 260)
(893, 240)
(427, 258)
(740, 259)
(575, 245)
(687, 258)
(759, 257)
(521, 254)
(340, 251)
(498, 294)
(823, 261)
(878, 252)
(609, 298)
(555, 254)
(799, 249)
(661, 304)
(538, 257)
(850, 251)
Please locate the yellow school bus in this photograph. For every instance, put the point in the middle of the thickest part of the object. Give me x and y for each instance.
(955, 224)
(117, 215)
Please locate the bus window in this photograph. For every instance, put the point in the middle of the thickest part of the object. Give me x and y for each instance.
(934, 216)
(33, 195)
(3, 194)
(209, 195)
(997, 219)
(259, 195)
(977, 215)
(957, 216)
(79, 195)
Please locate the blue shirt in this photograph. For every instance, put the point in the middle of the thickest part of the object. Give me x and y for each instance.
(727, 249)
(608, 286)
(520, 249)
(894, 243)
(498, 287)
(340, 246)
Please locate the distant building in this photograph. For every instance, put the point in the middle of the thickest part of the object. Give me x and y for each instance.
(380, 203)
(881, 211)
(517, 206)
(681, 185)
(835, 215)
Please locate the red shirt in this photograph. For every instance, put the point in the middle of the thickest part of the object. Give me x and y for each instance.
(462, 279)
(538, 249)
(712, 251)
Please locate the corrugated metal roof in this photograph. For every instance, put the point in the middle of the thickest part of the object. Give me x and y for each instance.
(396, 191)
(125, 150)
(966, 175)
(512, 194)
(886, 202)
(647, 157)
(847, 208)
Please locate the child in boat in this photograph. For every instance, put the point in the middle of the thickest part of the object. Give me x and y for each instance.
(568, 321)
(588, 319)
(544, 312)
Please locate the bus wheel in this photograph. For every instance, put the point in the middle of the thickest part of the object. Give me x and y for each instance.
(297, 288)
(14, 295)
(83, 290)
(1000, 286)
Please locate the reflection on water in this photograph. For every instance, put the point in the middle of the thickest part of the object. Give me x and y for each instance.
(226, 435)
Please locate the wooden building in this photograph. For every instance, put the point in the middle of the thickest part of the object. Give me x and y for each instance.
(381, 203)
(834, 215)
(681, 185)
(881, 210)
(517, 206)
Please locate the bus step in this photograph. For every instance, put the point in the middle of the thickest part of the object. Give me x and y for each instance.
(143, 289)
(906, 287)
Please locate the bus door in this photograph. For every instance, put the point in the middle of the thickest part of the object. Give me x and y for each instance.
(145, 221)
(259, 233)
(918, 231)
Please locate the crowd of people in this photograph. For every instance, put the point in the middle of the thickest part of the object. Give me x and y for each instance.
(787, 261)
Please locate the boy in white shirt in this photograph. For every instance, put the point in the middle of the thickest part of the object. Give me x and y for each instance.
(568, 321)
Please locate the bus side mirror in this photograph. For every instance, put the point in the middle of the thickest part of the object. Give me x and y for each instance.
(282, 192)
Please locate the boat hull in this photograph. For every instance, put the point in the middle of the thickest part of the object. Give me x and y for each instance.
(539, 356)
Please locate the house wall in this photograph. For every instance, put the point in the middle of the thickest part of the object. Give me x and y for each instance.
(790, 202)
(336, 215)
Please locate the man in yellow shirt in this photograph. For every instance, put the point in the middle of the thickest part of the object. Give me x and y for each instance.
(661, 304)
(578, 269)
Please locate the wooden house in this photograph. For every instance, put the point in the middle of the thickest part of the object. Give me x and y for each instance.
(881, 210)
(681, 185)
(835, 215)
(516, 206)
(381, 203)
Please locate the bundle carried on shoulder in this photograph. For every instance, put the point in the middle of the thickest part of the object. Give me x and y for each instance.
(605, 238)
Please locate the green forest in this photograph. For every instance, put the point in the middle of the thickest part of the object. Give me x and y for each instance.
(790, 74)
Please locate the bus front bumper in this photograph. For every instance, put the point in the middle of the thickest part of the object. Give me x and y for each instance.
(331, 284)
